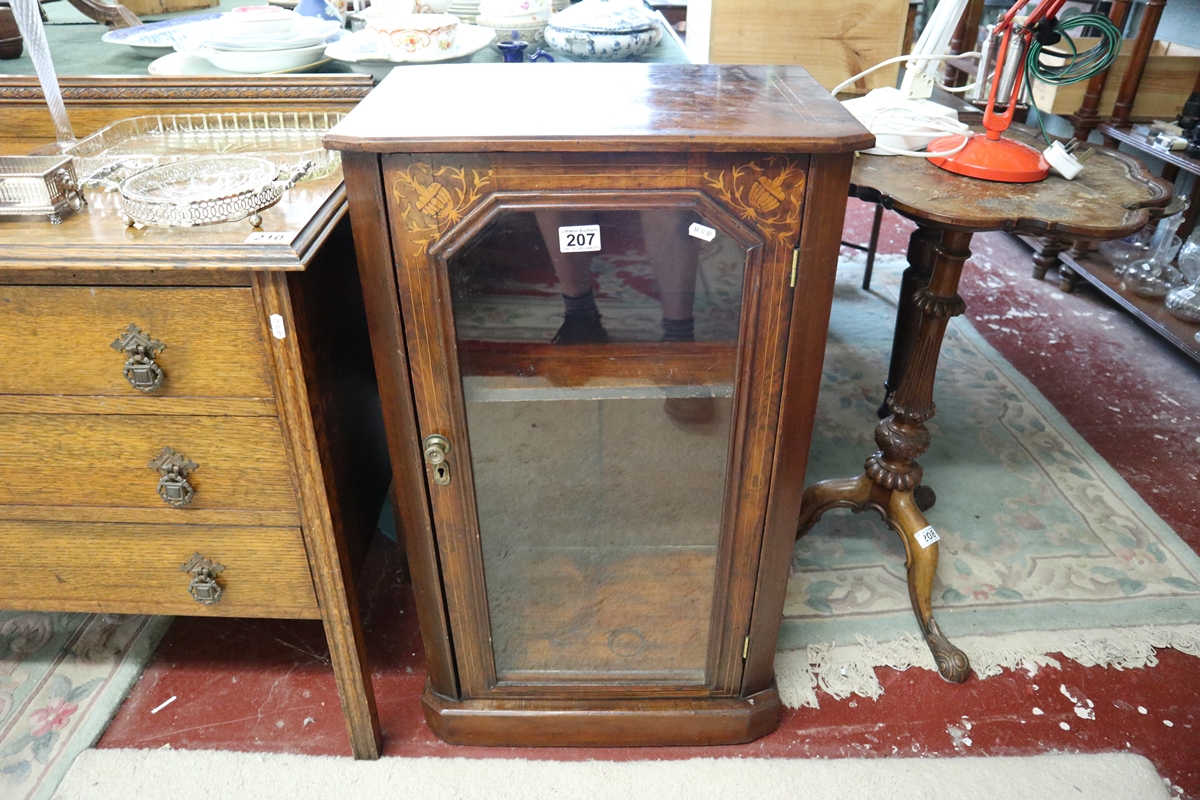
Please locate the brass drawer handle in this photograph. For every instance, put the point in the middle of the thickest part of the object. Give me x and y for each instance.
(139, 349)
(173, 486)
(203, 587)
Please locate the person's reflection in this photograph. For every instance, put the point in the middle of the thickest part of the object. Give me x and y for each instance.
(673, 258)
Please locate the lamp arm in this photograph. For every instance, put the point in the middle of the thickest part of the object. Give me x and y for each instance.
(1010, 63)
(921, 68)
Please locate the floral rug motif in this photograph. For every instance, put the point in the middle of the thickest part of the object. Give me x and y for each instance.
(1038, 532)
(62, 677)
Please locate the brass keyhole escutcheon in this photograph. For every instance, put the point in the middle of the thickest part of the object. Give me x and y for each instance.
(436, 448)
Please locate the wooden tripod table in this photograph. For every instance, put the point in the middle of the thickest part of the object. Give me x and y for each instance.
(1113, 197)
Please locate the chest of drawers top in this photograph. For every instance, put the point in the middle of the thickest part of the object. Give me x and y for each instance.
(96, 240)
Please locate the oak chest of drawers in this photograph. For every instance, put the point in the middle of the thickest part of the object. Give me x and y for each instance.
(189, 422)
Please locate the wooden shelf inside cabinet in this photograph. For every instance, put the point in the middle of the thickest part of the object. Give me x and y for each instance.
(202, 422)
(599, 497)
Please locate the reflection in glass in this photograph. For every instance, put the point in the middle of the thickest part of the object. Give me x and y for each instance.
(598, 389)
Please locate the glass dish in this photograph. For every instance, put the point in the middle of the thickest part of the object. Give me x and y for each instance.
(1123, 252)
(204, 191)
(1154, 277)
(38, 186)
(130, 145)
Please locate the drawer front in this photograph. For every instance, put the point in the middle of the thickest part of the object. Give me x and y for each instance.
(58, 340)
(135, 569)
(88, 460)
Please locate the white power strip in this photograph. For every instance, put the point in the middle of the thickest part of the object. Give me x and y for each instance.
(902, 125)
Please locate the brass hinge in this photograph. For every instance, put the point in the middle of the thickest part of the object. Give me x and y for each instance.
(795, 262)
(745, 648)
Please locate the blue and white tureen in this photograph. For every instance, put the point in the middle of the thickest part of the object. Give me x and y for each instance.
(603, 30)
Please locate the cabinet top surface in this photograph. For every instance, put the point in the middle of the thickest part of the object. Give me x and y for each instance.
(588, 107)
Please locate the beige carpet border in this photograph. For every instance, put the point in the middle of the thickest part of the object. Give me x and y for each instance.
(212, 775)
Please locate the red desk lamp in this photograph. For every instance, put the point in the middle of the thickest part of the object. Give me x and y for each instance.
(988, 155)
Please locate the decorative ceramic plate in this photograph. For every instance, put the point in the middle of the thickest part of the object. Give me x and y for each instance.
(177, 64)
(156, 38)
(361, 52)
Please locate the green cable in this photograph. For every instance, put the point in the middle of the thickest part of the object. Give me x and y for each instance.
(1077, 66)
(1037, 111)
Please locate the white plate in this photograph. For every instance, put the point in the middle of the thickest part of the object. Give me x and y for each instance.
(361, 49)
(156, 38)
(178, 64)
(259, 62)
(306, 32)
(252, 45)
(260, 20)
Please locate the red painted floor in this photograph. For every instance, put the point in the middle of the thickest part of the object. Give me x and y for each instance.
(266, 685)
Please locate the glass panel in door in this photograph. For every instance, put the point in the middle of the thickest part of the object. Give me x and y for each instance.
(597, 352)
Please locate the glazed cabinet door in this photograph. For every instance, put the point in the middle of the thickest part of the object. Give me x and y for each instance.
(588, 403)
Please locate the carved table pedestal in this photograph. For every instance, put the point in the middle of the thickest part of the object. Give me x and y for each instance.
(1112, 198)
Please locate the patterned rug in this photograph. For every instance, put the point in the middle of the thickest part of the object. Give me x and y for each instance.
(62, 677)
(1045, 549)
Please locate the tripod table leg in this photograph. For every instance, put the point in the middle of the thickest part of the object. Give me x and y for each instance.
(922, 560)
(892, 473)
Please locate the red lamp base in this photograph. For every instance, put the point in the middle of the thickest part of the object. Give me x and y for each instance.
(1001, 160)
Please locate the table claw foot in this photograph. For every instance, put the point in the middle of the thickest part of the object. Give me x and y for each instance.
(952, 663)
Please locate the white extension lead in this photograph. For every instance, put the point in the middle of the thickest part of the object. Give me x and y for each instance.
(903, 125)
(898, 59)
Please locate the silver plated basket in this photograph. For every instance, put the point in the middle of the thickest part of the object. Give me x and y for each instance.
(205, 191)
(39, 186)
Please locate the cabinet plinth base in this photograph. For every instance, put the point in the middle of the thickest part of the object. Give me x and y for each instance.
(608, 723)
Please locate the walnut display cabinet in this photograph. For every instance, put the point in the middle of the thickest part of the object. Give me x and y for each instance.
(598, 318)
